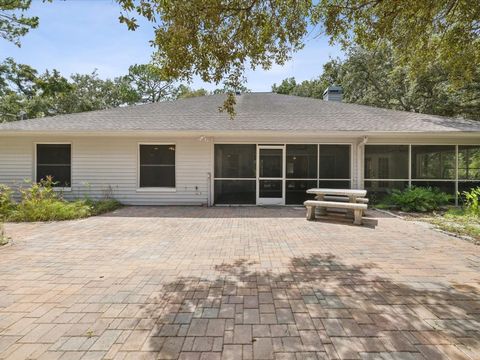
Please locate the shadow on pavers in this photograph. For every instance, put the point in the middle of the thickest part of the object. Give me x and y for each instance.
(319, 307)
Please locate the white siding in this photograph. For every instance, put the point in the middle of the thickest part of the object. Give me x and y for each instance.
(109, 164)
(102, 164)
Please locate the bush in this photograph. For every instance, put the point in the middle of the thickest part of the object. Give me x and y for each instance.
(40, 202)
(6, 202)
(104, 206)
(3, 237)
(472, 205)
(419, 199)
(50, 210)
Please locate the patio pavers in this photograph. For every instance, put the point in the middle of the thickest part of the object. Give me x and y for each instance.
(236, 283)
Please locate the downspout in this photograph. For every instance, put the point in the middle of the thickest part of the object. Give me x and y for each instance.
(360, 162)
(209, 186)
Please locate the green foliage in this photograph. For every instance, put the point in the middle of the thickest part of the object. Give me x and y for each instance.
(185, 92)
(103, 206)
(25, 94)
(150, 83)
(376, 78)
(40, 202)
(3, 237)
(13, 23)
(418, 199)
(6, 202)
(219, 40)
(457, 221)
(472, 201)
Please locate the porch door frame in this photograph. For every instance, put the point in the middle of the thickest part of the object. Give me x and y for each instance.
(271, 201)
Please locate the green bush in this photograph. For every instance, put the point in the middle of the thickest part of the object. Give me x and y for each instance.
(419, 199)
(6, 202)
(50, 210)
(472, 201)
(3, 237)
(104, 206)
(40, 202)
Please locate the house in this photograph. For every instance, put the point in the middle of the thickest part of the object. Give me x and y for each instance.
(277, 146)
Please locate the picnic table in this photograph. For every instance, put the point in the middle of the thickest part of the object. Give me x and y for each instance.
(335, 198)
(352, 194)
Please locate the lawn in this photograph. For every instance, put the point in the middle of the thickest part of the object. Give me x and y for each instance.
(456, 221)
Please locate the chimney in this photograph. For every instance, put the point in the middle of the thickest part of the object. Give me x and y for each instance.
(333, 93)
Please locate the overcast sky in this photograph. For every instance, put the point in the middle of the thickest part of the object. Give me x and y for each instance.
(78, 36)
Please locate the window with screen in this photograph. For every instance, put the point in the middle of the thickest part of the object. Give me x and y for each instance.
(54, 160)
(157, 166)
(235, 173)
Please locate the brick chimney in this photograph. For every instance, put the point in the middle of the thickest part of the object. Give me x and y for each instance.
(333, 93)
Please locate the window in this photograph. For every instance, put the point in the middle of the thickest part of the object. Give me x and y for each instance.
(430, 166)
(157, 166)
(469, 162)
(302, 161)
(335, 162)
(235, 173)
(386, 161)
(235, 161)
(54, 160)
(302, 165)
(433, 162)
(468, 167)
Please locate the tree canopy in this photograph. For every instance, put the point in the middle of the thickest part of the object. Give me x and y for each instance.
(13, 23)
(219, 39)
(374, 77)
(26, 94)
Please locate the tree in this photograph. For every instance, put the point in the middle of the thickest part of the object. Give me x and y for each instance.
(184, 92)
(150, 82)
(12, 24)
(218, 40)
(24, 94)
(377, 78)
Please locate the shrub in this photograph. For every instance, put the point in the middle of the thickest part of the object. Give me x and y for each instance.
(471, 198)
(6, 202)
(41, 202)
(50, 210)
(419, 199)
(104, 206)
(3, 237)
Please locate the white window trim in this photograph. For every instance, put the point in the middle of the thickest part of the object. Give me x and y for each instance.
(155, 189)
(59, 189)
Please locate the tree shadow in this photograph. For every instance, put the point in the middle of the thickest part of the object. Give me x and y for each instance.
(318, 307)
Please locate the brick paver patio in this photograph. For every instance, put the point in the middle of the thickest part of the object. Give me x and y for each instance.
(236, 283)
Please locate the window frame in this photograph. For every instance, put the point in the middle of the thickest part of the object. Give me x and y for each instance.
(352, 165)
(35, 165)
(166, 189)
(411, 181)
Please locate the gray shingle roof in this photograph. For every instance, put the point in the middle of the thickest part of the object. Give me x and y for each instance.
(255, 112)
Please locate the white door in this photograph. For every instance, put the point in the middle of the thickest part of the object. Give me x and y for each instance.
(271, 175)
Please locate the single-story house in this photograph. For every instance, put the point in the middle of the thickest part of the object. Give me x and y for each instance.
(271, 152)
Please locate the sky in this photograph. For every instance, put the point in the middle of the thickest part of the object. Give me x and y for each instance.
(78, 36)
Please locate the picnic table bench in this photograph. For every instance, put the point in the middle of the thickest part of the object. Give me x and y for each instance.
(352, 200)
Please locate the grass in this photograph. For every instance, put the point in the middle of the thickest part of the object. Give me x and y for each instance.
(458, 222)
